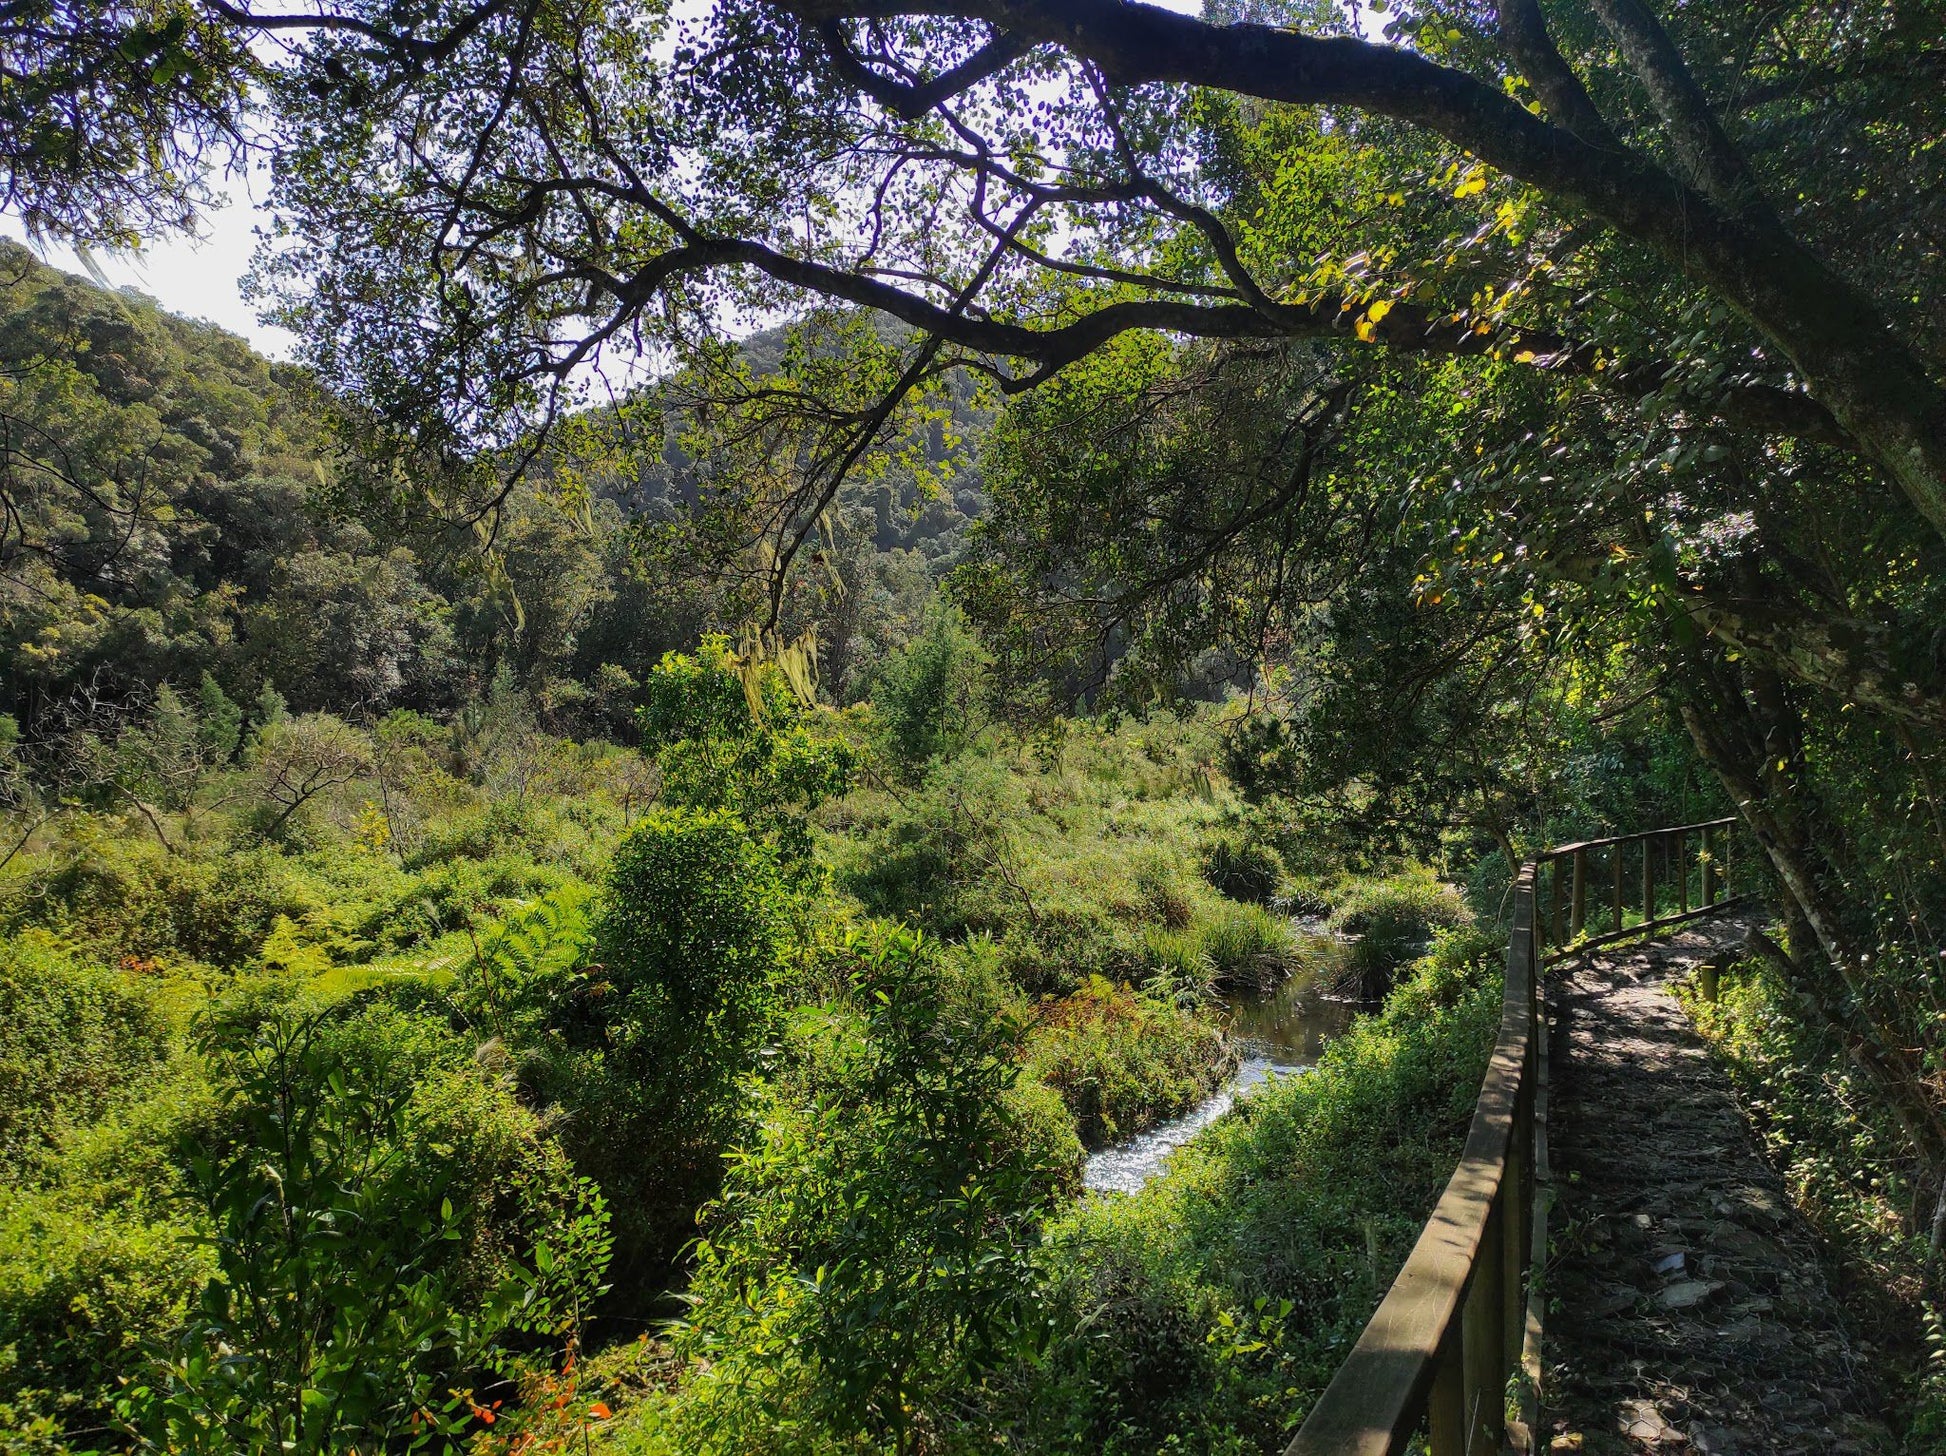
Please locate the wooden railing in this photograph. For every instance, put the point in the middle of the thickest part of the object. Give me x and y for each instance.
(1668, 864)
(1454, 1349)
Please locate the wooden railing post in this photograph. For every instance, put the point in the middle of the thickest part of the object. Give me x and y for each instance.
(1486, 1379)
(1560, 936)
(1616, 851)
(1580, 920)
(1515, 1205)
(1709, 866)
(1682, 871)
(1648, 881)
(1446, 1405)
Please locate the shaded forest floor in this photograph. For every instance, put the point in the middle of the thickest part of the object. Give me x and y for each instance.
(1691, 1308)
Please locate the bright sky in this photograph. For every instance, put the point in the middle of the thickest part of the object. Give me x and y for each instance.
(200, 277)
(197, 277)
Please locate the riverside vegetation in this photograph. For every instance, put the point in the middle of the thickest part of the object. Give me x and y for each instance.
(368, 1053)
(318, 1138)
(407, 1063)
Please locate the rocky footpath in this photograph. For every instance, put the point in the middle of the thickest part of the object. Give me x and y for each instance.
(1688, 1308)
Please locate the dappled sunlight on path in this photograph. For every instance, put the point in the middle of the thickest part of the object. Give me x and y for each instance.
(1688, 1303)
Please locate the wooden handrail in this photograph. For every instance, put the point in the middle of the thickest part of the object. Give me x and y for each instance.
(1640, 834)
(1454, 1347)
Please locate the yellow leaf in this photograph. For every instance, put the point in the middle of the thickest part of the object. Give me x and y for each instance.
(1378, 310)
(1365, 330)
(1475, 182)
(1525, 356)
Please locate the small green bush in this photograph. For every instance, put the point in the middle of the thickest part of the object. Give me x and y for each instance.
(98, 1262)
(1166, 899)
(1248, 947)
(873, 1253)
(731, 732)
(1122, 1061)
(689, 936)
(644, 1050)
(499, 827)
(382, 1213)
(1181, 971)
(1243, 868)
(132, 898)
(929, 699)
(73, 1039)
(452, 895)
(84, 1292)
(1393, 919)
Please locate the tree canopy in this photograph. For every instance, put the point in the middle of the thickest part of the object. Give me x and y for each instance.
(481, 198)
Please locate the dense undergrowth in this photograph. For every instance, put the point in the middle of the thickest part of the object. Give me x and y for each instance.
(1204, 1313)
(388, 1114)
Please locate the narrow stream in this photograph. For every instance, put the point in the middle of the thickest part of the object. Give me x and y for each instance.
(1280, 1034)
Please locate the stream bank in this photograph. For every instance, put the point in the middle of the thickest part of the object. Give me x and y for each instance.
(1281, 1032)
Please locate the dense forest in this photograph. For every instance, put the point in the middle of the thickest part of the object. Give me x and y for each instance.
(836, 594)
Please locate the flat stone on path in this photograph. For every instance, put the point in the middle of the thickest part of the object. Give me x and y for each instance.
(1687, 1304)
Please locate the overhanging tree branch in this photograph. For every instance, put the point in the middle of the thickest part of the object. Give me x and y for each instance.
(1709, 159)
(1876, 387)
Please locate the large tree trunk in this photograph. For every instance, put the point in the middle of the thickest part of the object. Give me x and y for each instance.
(1747, 731)
(1873, 382)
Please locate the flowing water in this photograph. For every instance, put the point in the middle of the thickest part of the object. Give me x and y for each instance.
(1279, 1035)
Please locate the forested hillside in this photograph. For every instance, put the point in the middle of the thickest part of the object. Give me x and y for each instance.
(178, 506)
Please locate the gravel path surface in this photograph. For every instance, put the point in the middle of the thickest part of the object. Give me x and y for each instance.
(1688, 1308)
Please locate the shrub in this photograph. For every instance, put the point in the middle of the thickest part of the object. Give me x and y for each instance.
(97, 1261)
(72, 1040)
(644, 1050)
(453, 895)
(941, 857)
(502, 826)
(132, 898)
(1248, 947)
(1122, 1061)
(301, 762)
(1394, 920)
(730, 732)
(929, 698)
(689, 936)
(1165, 898)
(83, 1289)
(1243, 868)
(381, 1214)
(873, 1252)
(1181, 971)
(1488, 887)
